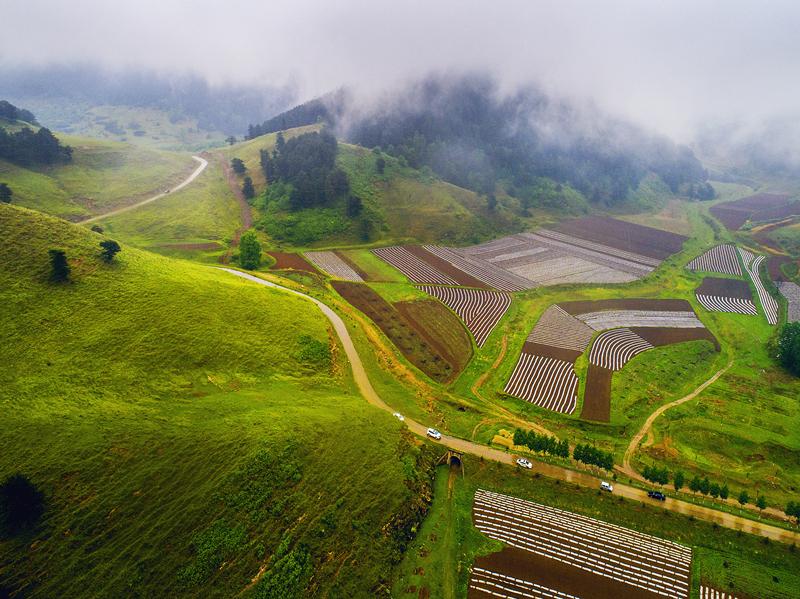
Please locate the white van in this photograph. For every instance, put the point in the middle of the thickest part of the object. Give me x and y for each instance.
(606, 486)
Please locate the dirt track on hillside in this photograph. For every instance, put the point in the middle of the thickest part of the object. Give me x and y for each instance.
(488, 453)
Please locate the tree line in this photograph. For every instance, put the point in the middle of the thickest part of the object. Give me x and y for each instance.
(26, 148)
(11, 113)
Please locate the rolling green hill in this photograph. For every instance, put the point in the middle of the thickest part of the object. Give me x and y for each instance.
(190, 430)
(102, 175)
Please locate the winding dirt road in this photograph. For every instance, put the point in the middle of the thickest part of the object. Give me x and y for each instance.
(203, 164)
(580, 478)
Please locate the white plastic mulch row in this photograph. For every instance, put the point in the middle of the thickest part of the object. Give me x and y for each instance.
(615, 348)
(621, 554)
(752, 264)
(333, 265)
(559, 329)
(721, 259)
(485, 272)
(609, 319)
(547, 382)
(418, 271)
(715, 303)
(479, 309)
(709, 593)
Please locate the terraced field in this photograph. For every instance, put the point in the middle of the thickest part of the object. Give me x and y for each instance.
(331, 263)
(581, 251)
(726, 295)
(544, 374)
(555, 553)
(758, 207)
(719, 259)
(480, 310)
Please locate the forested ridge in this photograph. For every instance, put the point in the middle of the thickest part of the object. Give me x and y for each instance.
(471, 135)
(26, 147)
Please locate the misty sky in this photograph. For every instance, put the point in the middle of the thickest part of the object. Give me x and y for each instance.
(668, 65)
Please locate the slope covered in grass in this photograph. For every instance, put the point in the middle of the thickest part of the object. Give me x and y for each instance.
(102, 175)
(193, 433)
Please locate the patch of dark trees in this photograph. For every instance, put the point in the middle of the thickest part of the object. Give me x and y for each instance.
(11, 113)
(26, 148)
(471, 135)
(308, 163)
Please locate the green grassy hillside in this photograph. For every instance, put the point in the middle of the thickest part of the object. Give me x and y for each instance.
(101, 176)
(193, 433)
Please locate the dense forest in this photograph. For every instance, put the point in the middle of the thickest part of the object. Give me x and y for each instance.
(471, 135)
(26, 148)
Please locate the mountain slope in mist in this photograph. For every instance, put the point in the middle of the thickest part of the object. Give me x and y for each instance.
(473, 135)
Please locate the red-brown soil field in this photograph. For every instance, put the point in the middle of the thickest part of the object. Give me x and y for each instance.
(735, 288)
(458, 275)
(291, 261)
(626, 236)
(440, 328)
(417, 350)
(597, 394)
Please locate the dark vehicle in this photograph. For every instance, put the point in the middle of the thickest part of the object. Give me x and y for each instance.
(656, 495)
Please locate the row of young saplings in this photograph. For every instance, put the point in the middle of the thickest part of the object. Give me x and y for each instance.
(586, 454)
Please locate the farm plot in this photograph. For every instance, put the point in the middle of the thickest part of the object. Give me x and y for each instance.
(587, 306)
(440, 328)
(479, 309)
(791, 291)
(726, 295)
(290, 261)
(418, 350)
(572, 555)
(625, 236)
(615, 348)
(611, 319)
(331, 263)
(734, 214)
(752, 265)
(586, 251)
(559, 329)
(545, 380)
(415, 269)
(721, 259)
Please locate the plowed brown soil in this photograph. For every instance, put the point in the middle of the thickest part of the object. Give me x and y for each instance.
(725, 288)
(556, 575)
(291, 261)
(658, 336)
(597, 395)
(548, 351)
(458, 275)
(622, 235)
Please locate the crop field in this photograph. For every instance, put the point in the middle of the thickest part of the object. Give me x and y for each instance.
(756, 208)
(726, 295)
(585, 251)
(570, 555)
(291, 261)
(479, 309)
(412, 330)
(752, 265)
(775, 266)
(331, 263)
(719, 259)
(412, 267)
(545, 375)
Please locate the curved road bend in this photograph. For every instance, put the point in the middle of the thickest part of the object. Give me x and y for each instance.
(203, 164)
(580, 478)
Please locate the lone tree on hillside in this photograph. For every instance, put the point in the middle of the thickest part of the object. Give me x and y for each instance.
(248, 190)
(110, 249)
(678, 481)
(97, 229)
(744, 498)
(5, 193)
(249, 251)
(789, 347)
(21, 504)
(231, 140)
(59, 267)
(238, 166)
(761, 503)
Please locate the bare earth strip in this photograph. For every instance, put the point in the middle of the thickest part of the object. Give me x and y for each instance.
(203, 164)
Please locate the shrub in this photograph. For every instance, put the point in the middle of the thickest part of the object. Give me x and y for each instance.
(21, 504)
(110, 249)
(59, 268)
(249, 251)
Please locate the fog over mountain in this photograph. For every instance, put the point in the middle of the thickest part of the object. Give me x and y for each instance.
(669, 66)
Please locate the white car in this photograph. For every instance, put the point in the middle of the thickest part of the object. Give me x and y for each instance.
(523, 463)
(434, 434)
(606, 486)
(399, 416)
